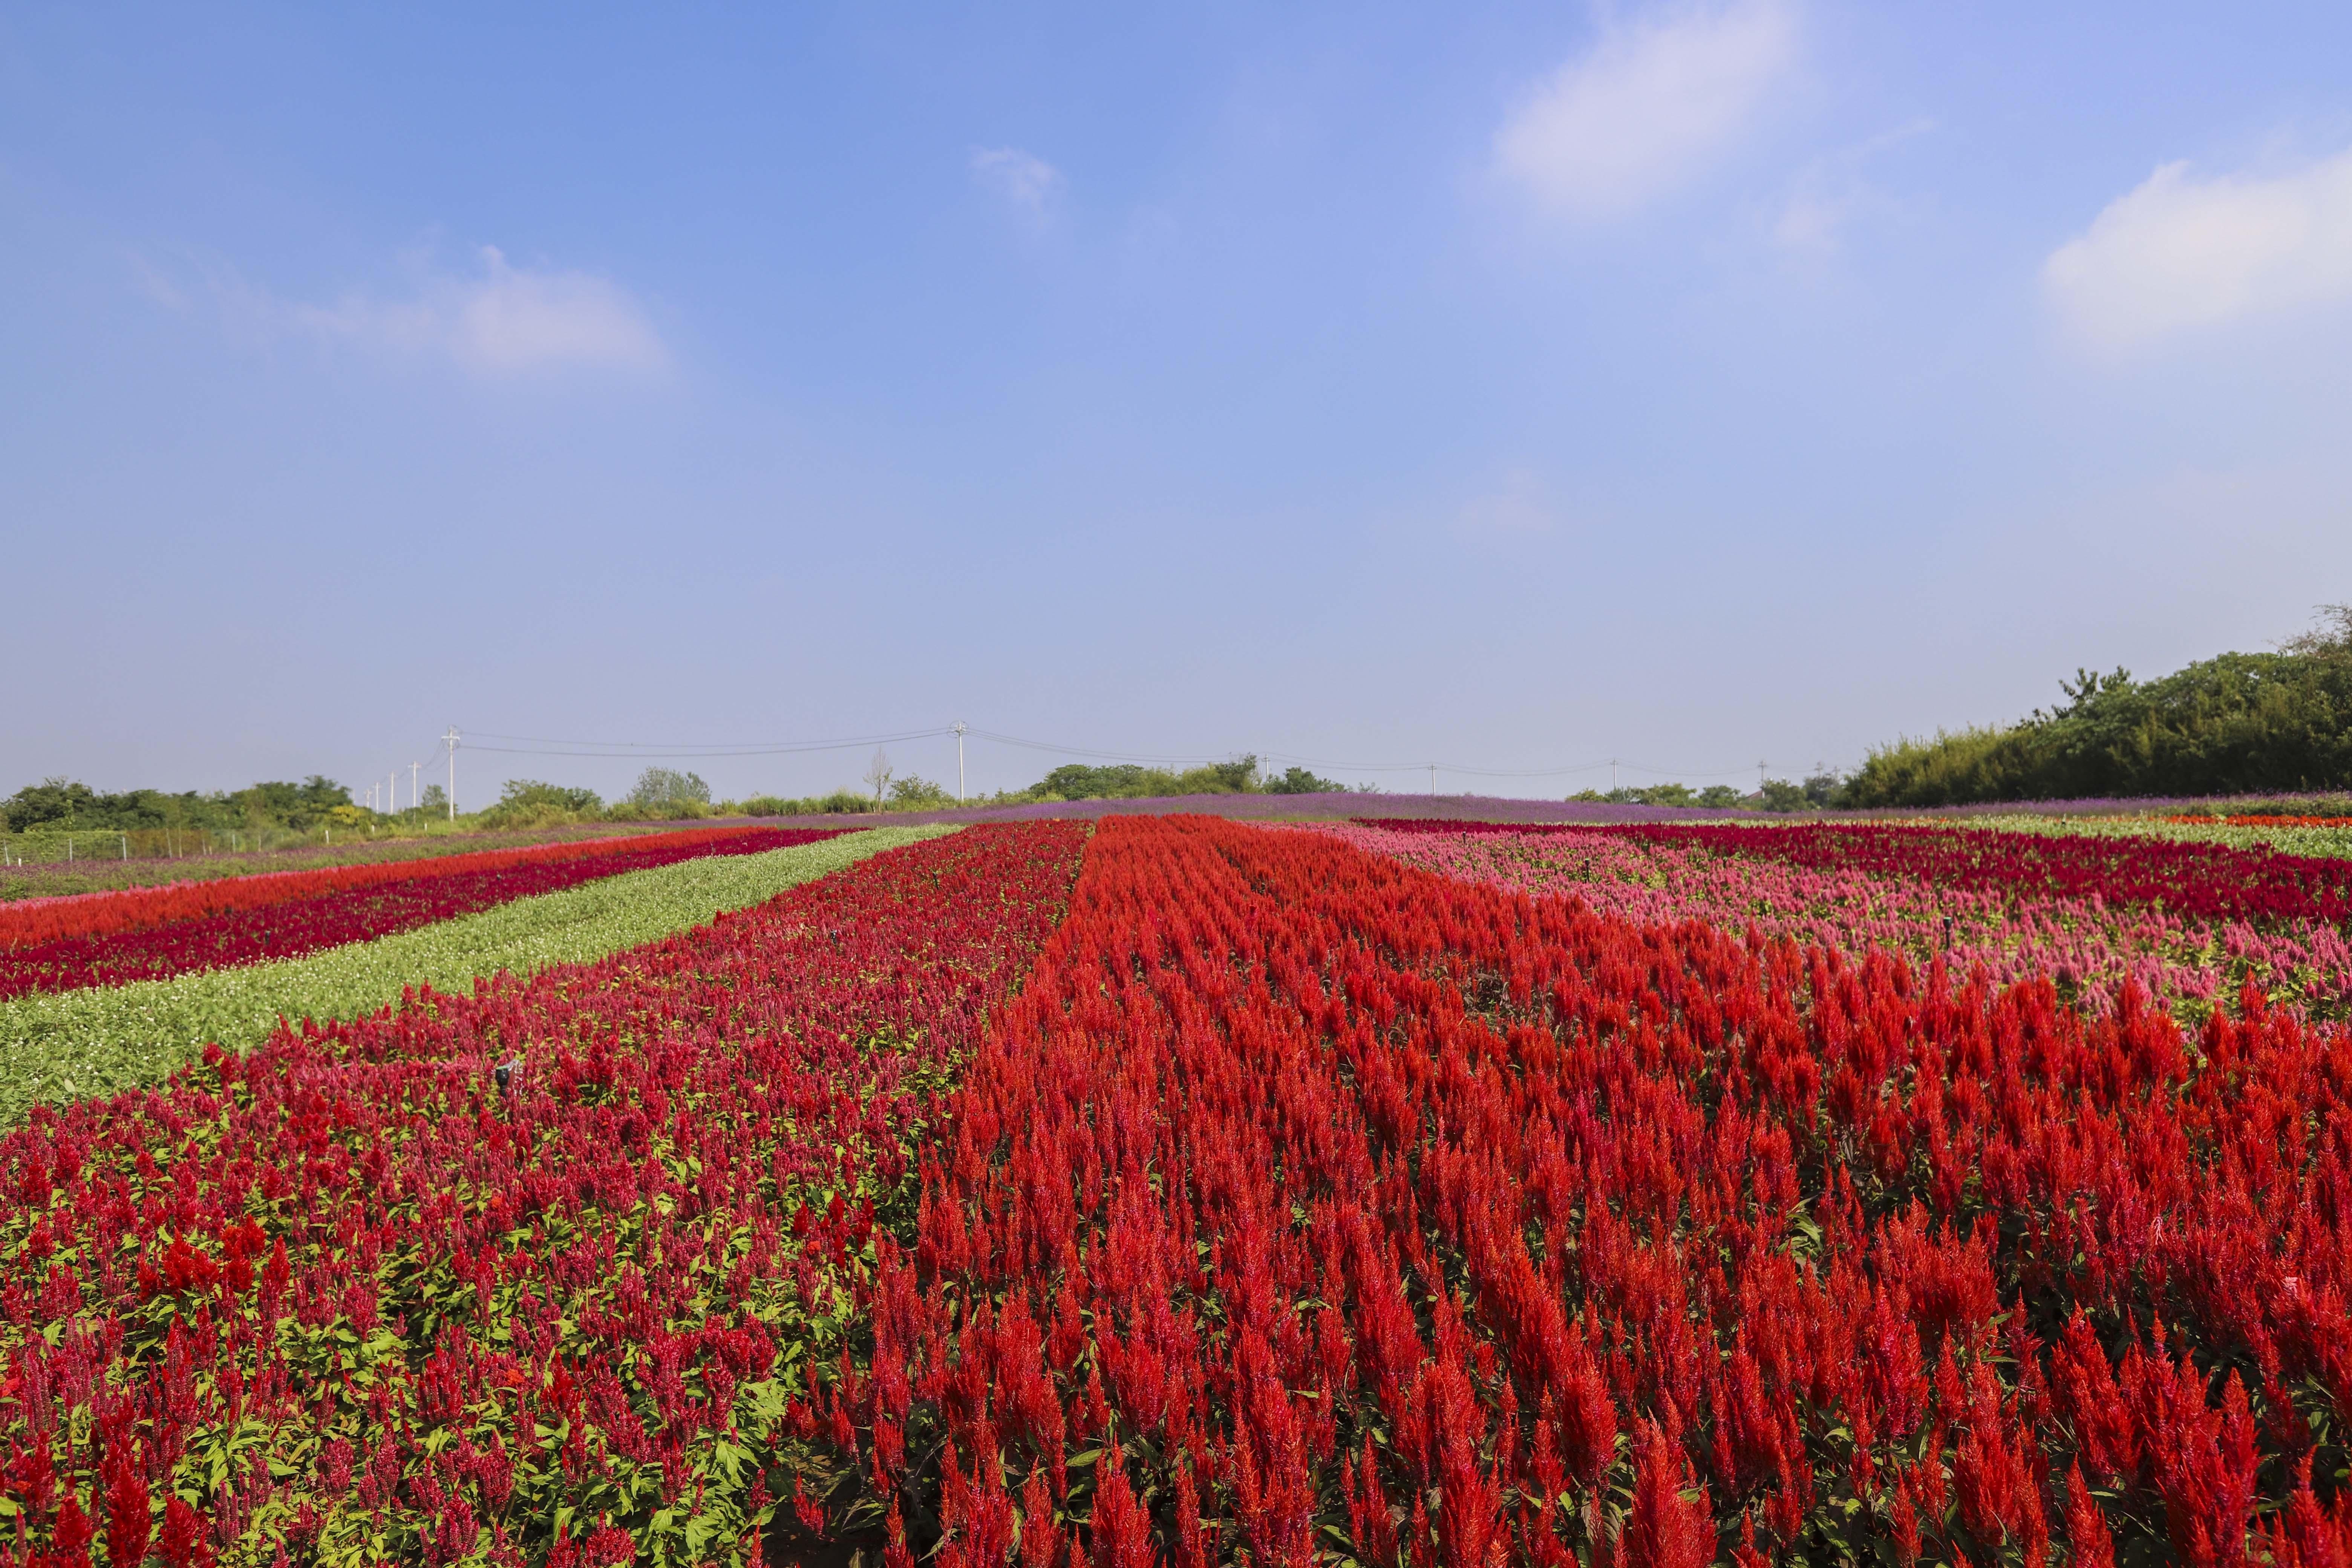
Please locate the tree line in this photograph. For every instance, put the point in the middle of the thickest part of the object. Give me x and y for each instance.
(2238, 723)
(67, 806)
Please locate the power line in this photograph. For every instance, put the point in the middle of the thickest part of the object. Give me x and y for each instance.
(646, 750)
(655, 750)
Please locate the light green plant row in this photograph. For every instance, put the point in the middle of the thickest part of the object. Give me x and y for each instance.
(75, 1043)
(2323, 843)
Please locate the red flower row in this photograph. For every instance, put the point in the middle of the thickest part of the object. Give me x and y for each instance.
(2201, 881)
(294, 924)
(1305, 1201)
(532, 1276)
(140, 909)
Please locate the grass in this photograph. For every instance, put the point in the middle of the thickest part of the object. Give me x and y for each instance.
(72, 1044)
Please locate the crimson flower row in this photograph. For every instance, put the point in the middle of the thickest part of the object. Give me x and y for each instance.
(137, 909)
(290, 926)
(533, 1276)
(1306, 1203)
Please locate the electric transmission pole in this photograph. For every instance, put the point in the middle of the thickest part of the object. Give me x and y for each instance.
(415, 799)
(452, 739)
(958, 728)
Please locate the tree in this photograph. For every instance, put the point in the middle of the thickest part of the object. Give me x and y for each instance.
(877, 774)
(57, 800)
(665, 786)
(2230, 724)
(1300, 781)
(529, 793)
(916, 793)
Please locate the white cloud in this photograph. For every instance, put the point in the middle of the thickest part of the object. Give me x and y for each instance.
(2180, 252)
(1831, 192)
(1026, 181)
(500, 321)
(1649, 106)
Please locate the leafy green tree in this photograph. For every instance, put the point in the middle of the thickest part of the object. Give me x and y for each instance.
(1300, 781)
(666, 786)
(1127, 781)
(527, 792)
(915, 793)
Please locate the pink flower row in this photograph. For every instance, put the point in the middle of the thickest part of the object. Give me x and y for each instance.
(2080, 941)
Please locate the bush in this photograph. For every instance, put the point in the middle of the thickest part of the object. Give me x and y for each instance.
(841, 801)
(915, 793)
(658, 787)
(1300, 781)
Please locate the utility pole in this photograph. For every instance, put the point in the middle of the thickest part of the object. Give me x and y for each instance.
(1612, 776)
(1760, 775)
(1432, 778)
(958, 728)
(452, 738)
(415, 799)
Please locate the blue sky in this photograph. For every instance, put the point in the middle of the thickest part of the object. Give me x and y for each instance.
(1518, 387)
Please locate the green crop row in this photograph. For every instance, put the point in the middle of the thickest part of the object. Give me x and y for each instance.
(2322, 843)
(72, 1044)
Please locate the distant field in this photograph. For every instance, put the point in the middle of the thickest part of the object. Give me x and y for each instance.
(56, 880)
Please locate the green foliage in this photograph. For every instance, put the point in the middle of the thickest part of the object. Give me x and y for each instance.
(2233, 724)
(69, 805)
(531, 792)
(841, 801)
(1127, 780)
(666, 786)
(1713, 798)
(1300, 781)
(67, 1044)
(1818, 793)
(530, 802)
(915, 793)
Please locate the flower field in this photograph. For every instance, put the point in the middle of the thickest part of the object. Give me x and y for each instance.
(59, 1045)
(1307, 1204)
(2188, 923)
(1182, 1191)
(152, 933)
(346, 1298)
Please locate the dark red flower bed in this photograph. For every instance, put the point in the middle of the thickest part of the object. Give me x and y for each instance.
(137, 909)
(291, 924)
(347, 1299)
(2201, 881)
(1306, 1205)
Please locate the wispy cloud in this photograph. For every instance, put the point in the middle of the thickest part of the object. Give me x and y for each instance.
(1649, 106)
(1028, 181)
(2182, 252)
(1831, 192)
(494, 319)
(502, 319)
